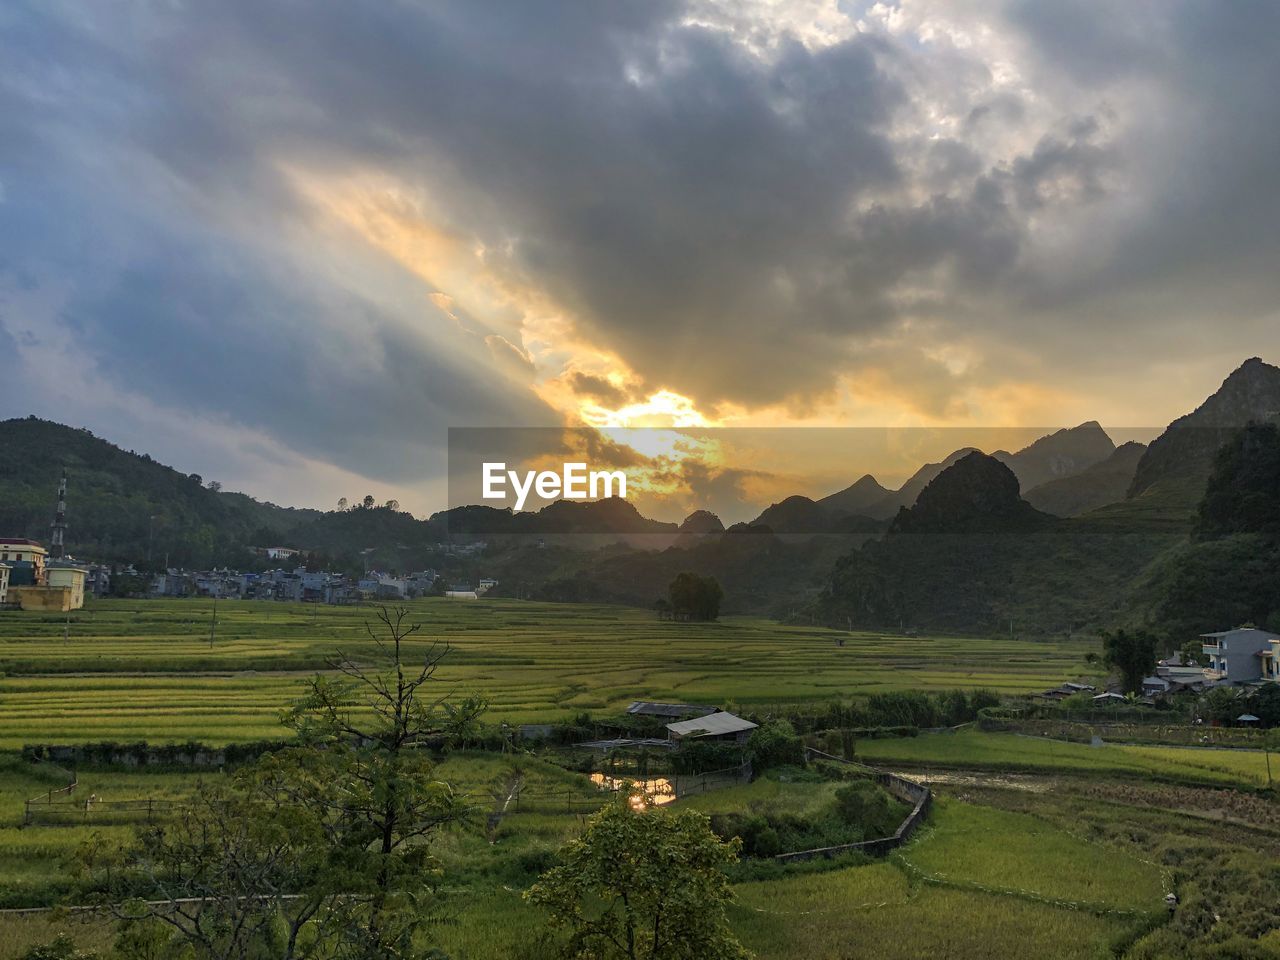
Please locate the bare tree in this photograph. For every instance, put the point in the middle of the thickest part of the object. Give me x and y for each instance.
(365, 767)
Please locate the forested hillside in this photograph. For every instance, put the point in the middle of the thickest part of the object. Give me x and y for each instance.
(124, 505)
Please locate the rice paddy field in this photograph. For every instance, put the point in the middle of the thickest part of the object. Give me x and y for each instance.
(1008, 751)
(1070, 858)
(150, 670)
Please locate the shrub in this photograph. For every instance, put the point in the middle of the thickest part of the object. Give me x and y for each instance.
(862, 802)
(775, 744)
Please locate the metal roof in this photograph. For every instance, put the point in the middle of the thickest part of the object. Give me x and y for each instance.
(650, 708)
(1227, 633)
(713, 725)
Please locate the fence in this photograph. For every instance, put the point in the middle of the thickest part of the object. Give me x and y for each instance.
(917, 794)
(52, 813)
(59, 808)
(1177, 734)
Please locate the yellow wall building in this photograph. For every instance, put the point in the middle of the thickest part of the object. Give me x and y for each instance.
(43, 597)
(70, 577)
(4, 582)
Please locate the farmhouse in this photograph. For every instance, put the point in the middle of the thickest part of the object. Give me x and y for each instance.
(1239, 654)
(721, 725)
(4, 582)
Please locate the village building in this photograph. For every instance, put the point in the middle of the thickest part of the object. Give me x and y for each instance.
(25, 558)
(720, 726)
(4, 583)
(1239, 654)
(70, 576)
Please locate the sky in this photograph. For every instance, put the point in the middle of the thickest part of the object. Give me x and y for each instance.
(288, 246)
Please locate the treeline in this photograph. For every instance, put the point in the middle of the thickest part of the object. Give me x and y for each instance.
(900, 709)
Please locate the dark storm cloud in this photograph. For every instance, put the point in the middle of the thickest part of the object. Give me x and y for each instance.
(1201, 154)
(737, 222)
(597, 388)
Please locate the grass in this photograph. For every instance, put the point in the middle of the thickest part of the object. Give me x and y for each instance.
(131, 670)
(1062, 874)
(875, 911)
(1007, 751)
(988, 848)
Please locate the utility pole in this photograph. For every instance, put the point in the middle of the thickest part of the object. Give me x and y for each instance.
(213, 624)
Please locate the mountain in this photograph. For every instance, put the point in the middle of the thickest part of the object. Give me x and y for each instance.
(1059, 455)
(800, 515)
(701, 521)
(125, 507)
(971, 556)
(905, 496)
(977, 493)
(1225, 574)
(1178, 463)
(761, 572)
(1105, 482)
(122, 505)
(862, 497)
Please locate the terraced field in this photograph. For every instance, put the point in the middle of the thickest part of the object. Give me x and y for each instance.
(1007, 751)
(131, 670)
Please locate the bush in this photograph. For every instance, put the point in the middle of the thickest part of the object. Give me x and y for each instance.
(775, 744)
(61, 947)
(862, 802)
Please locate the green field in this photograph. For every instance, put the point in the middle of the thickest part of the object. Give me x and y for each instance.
(1072, 859)
(1008, 751)
(134, 670)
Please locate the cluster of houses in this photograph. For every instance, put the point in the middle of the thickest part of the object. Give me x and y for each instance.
(30, 580)
(1243, 657)
(299, 584)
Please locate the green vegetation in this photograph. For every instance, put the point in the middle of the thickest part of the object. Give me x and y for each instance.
(642, 885)
(1000, 850)
(1069, 858)
(1132, 654)
(145, 670)
(694, 597)
(1011, 752)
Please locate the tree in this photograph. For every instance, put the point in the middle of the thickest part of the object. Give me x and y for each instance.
(392, 504)
(238, 870)
(342, 504)
(368, 501)
(1193, 653)
(663, 607)
(775, 744)
(1133, 654)
(362, 765)
(215, 486)
(694, 597)
(643, 883)
(319, 849)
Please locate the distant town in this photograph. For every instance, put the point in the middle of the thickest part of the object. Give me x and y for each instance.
(34, 576)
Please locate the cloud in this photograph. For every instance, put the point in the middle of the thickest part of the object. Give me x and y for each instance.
(598, 388)
(345, 228)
